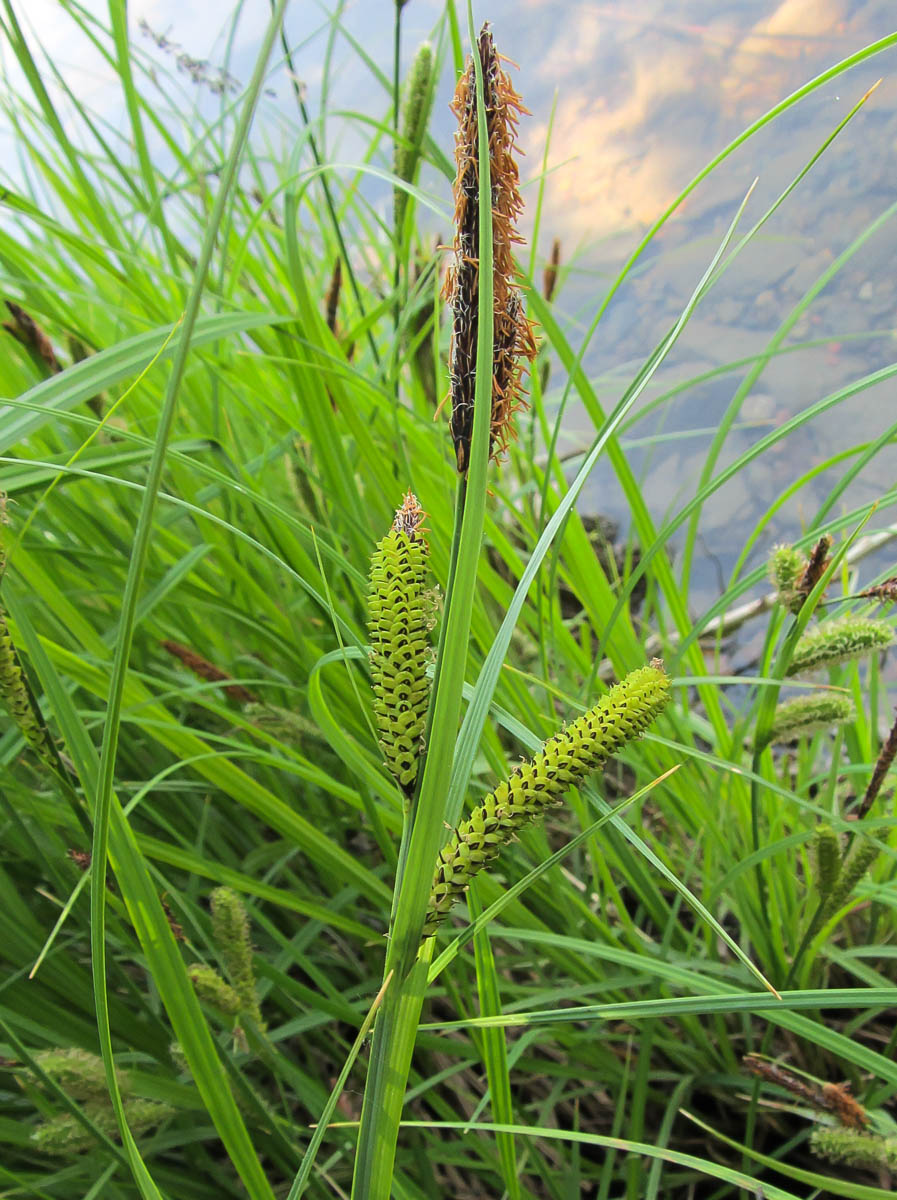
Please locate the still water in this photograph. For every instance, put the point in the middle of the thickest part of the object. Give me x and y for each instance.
(643, 95)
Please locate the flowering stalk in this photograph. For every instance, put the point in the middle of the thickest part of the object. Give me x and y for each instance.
(398, 618)
(415, 114)
(564, 762)
(514, 339)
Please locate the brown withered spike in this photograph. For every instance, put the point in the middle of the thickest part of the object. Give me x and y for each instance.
(26, 331)
(815, 568)
(834, 1098)
(514, 339)
(333, 293)
(550, 275)
(206, 670)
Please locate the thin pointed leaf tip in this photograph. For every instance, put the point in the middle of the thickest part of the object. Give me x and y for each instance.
(514, 338)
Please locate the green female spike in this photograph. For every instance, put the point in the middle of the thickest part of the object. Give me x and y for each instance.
(807, 714)
(399, 622)
(564, 762)
(827, 845)
(786, 566)
(212, 990)
(230, 929)
(415, 115)
(839, 641)
(20, 703)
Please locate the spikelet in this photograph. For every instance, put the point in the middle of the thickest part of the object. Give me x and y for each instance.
(20, 703)
(415, 115)
(807, 714)
(64, 1135)
(29, 334)
(786, 565)
(514, 339)
(550, 275)
(230, 929)
(827, 847)
(563, 762)
(863, 854)
(882, 766)
(855, 1149)
(837, 642)
(79, 1072)
(211, 988)
(398, 619)
(206, 670)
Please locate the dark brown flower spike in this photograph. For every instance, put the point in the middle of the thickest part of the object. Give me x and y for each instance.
(514, 339)
(205, 670)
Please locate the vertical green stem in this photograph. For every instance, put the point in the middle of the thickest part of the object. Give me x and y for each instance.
(396, 1027)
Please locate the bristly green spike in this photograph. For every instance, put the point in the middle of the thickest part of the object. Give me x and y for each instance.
(415, 115)
(862, 855)
(856, 1149)
(563, 762)
(839, 641)
(786, 566)
(212, 989)
(20, 703)
(230, 929)
(807, 714)
(827, 845)
(398, 617)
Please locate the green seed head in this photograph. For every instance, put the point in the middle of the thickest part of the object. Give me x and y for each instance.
(230, 929)
(807, 714)
(854, 1148)
(64, 1136)
(862, 855)
(415, 115)
(839, 641)
(827, 846)
(20, 703)
(786, 566)
(399, 617)
(564, 761)
(78, 1072)
(212, 990)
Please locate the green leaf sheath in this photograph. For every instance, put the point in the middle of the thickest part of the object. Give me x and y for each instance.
(399, 607)
(839, 641)
(564, 761)
(19, 702)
